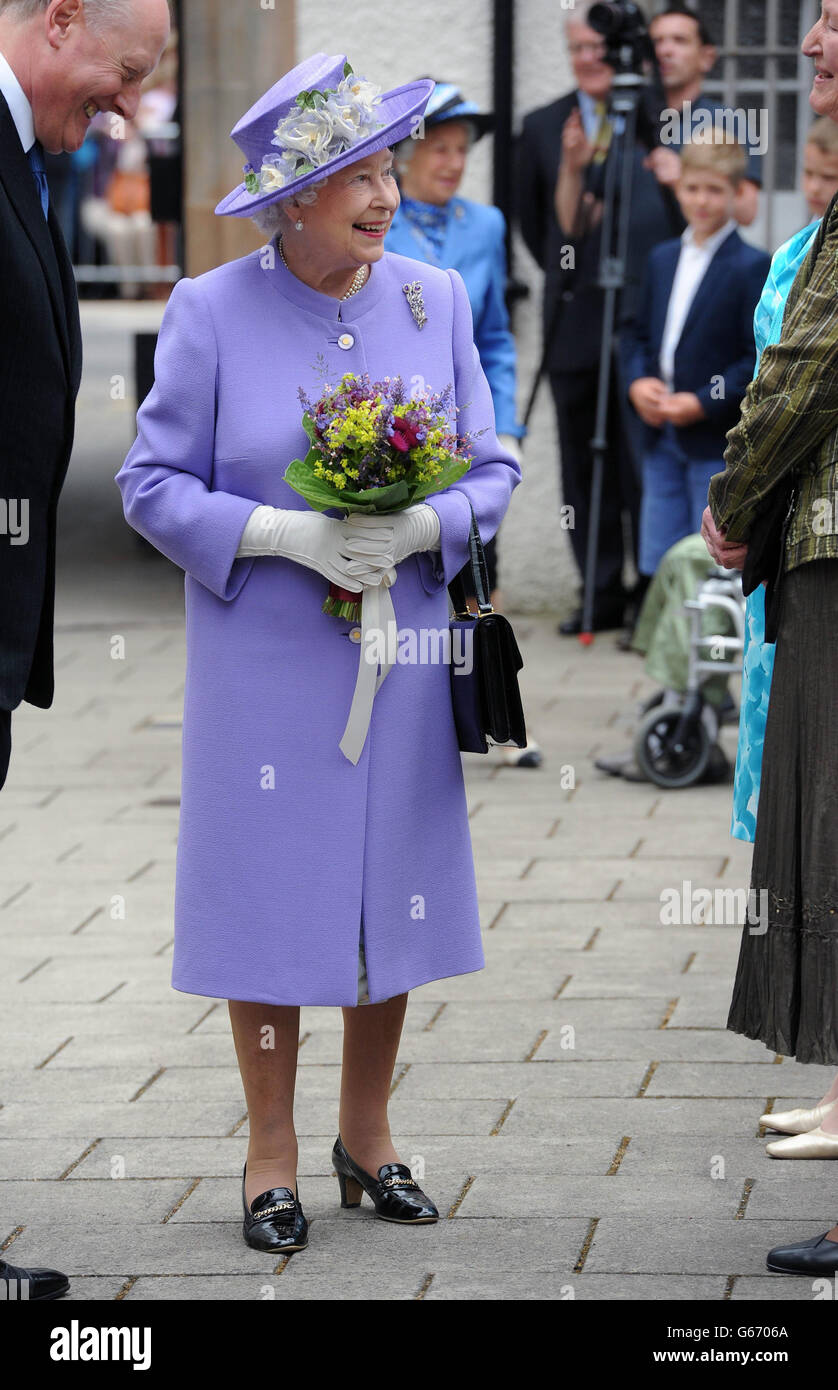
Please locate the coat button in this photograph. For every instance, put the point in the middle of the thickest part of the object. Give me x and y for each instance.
(346, 341)
(355, 634)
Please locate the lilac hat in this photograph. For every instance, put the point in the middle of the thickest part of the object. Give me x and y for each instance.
(317, 119)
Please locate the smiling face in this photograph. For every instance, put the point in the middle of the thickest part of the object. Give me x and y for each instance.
(437, 164)
(79, 71)
(821, 44)
(346, 226)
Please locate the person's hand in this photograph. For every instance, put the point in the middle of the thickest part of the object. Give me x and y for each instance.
(322, 543)
(682, 408)
(577, 149)
(647, 395)
(731, 556)
(665, 165)
(414, 529)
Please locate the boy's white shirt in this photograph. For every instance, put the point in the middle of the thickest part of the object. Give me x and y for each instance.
(693, 264)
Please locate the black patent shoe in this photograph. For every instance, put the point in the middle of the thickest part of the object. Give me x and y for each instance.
(394, 1193)
(275, 1220)
(816, 1256)
(31, 1285)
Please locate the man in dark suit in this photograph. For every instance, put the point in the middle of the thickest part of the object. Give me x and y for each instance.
(61, 61)
(566, 143)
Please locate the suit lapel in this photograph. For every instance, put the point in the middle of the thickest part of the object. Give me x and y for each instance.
(71, 301)
(710, 286)
(16, 178)
(662, 298)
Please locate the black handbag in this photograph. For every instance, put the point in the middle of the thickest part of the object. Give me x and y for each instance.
(767, 549)
(484, 664)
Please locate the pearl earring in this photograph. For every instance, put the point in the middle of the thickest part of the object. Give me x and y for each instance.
(299, 226)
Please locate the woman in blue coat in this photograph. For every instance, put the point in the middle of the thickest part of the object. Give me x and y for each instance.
(434, 225)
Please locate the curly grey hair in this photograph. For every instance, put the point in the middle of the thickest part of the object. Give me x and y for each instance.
(99, 14)
(274, 218)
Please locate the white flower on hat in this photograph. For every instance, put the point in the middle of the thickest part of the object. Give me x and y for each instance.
(359, 94)
(352, 119)
(276, 172)
(310, 133)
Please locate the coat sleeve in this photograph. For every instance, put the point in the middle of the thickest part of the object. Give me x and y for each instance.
(492, 334)
(723, 406)
(166, 480)
(530, 198)
(493, 474)
(637, 355)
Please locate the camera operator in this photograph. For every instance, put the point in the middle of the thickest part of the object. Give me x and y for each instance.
(686, 54)
(562, 154)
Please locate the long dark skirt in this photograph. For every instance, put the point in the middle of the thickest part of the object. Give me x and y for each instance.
(786, 991)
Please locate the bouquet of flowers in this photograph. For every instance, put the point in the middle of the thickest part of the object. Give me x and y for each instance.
(375, 447)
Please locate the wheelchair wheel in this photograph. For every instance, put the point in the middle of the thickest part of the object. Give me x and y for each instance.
(665, 765)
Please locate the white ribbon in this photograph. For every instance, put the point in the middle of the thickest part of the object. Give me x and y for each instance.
(377, 613)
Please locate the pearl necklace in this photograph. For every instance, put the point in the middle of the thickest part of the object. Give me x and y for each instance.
(358, 282)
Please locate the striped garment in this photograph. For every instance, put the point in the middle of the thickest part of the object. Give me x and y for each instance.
(789, 419)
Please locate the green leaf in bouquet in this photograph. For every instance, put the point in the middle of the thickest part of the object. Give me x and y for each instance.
(309, 427)
(318, 492)
(378, 499)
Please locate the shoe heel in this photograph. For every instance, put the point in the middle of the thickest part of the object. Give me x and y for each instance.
(351, 1191)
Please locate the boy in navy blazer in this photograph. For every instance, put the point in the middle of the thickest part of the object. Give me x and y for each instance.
(689, 354)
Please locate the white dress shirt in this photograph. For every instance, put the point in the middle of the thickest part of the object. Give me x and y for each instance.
(18, 104)
(693, 264)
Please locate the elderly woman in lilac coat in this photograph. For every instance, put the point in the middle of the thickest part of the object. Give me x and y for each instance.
(314, 869)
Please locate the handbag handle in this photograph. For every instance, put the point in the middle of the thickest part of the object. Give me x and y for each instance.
(479, 573)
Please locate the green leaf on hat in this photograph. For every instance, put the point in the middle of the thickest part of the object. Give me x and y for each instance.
(347, 70)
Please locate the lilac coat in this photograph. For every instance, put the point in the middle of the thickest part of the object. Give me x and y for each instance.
(282, 840)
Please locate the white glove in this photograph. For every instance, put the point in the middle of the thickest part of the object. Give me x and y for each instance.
(414, 529)
(321, 543)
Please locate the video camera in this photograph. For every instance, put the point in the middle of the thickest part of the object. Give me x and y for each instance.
(622, 24)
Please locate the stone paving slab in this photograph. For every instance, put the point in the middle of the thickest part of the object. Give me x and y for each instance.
(336, 1245)
(494, 1154)
(112, 1201)
(776, 1288)
(730, 1079)
(605, 1197)
(533, 1115)
(697, 1156)
(699, 1246)
(546, 1079)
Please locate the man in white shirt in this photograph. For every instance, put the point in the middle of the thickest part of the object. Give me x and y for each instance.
(61, 61)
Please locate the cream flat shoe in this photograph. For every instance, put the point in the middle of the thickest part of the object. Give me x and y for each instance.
(818, 1144)
(798, 1121)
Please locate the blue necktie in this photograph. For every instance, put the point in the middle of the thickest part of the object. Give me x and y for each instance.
(36, 159)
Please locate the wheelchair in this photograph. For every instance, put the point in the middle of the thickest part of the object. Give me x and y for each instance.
(677, 737)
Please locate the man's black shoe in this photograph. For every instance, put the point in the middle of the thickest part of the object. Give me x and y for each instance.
(605, 620)
(30, 1285)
